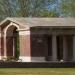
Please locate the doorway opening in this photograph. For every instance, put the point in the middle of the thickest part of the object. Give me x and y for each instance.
(49, 47)
(60, 48)
(69, 40)
(12, 43)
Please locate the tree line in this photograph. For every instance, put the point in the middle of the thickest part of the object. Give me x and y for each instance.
(37, 8)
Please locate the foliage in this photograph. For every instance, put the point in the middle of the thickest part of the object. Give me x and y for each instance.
(68, 8)
(27, 8)
(37, 8)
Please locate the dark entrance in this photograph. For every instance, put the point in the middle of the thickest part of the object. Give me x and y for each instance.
(12, 43)
(16, 44)
(69, 40)
(59, 47)
(49, 46)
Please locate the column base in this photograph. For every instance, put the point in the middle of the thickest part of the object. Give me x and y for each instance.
(54, 60)
(32, 59)
(24, 59)
(38, 59)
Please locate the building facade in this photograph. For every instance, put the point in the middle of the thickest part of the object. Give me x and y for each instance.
(38, 39)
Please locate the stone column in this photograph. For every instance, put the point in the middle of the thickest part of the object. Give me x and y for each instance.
(4, 40)
(54, 48)
(73, 48)
(64, 49)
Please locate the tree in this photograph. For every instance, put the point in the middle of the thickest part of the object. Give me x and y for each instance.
(6, 9)
(28, 8)
(36, 8)
(68, 8)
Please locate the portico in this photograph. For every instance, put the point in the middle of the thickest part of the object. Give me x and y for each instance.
(59, 42)
(62, 48)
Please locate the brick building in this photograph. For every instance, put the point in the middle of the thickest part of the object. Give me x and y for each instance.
(38, 39)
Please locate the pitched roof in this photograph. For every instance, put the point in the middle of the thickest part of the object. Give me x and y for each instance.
(32, 22)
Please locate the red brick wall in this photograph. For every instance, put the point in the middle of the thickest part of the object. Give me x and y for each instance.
(24, 45)
(2, 46)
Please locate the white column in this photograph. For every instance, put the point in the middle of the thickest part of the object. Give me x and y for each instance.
(73, 48)
(64, 49)
(5, 55)
(54, 48)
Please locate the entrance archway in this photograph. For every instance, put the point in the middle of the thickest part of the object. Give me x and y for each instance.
(12, 42)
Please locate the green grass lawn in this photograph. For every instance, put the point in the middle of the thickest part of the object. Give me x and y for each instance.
(37, 71)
